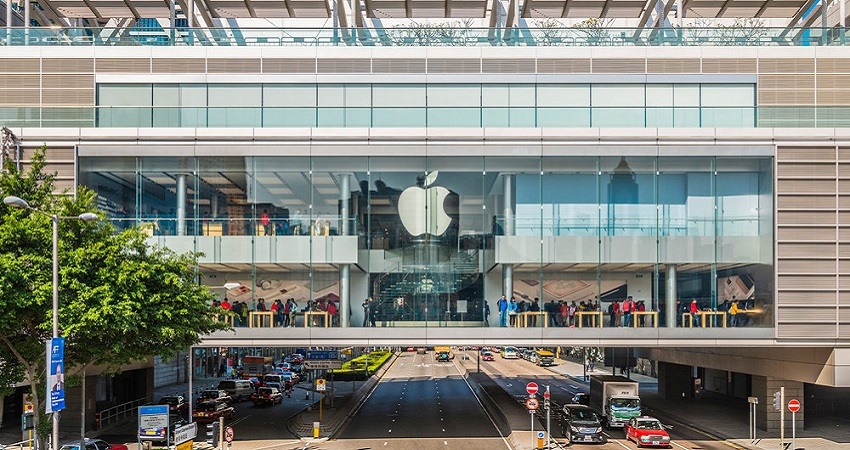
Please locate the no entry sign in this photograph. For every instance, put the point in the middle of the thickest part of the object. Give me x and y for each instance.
(794, 405)
(531, 388)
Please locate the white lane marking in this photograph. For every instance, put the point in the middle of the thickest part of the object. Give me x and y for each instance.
(482, 407)
(621, 444)
(679, 445)
(385, 443)
(390, 431)
(445, 443)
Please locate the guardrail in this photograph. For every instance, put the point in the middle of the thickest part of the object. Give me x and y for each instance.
(118, 413)
(23, 445)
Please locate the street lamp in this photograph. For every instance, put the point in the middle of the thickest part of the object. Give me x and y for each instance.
(17, 202)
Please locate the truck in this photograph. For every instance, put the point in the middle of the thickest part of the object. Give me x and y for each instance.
(615, 399)
(257, 366)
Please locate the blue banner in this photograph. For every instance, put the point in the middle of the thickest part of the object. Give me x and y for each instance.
(153, 422)
(55, 375)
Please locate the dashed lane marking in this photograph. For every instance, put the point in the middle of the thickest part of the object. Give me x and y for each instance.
(621, 444)
(679, 445)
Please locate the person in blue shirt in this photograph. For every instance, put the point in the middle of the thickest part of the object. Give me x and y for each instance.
(502, 306)
(513, 309)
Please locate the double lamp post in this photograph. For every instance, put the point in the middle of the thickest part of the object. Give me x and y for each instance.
(17, 202)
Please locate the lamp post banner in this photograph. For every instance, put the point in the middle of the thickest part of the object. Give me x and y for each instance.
(55, 375)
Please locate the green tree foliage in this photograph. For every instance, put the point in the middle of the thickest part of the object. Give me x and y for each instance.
(120, 300)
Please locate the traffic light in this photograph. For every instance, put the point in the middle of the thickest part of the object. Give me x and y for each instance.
(212, 433)
(777, 401)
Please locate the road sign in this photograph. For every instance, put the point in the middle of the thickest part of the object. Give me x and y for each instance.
(186, 433)
(323, 364)
(531, 388)
(228, 434)
(541, 435)
(753, 400)
(546, 395)
(321, 385)
(323, 354)
(793, 405)
(153, 422)
(532, 404)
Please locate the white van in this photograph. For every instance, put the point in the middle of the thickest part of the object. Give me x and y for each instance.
(238, 390)
(510, 353)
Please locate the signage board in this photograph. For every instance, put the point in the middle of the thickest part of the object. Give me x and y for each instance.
(321, 385)
(186, 433)
(153, 422)
(794, 405)
(29, 406)
(322, 354)
(327, 364)
(55, 352)
(531, 388)
(532, 404)
(228, 434)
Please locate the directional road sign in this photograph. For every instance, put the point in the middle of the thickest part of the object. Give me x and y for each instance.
(531, 388)
(532, 404)
(322, 364)
(794, 405)
(322, 354)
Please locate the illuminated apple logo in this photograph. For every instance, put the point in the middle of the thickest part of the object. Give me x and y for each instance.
(421, 208)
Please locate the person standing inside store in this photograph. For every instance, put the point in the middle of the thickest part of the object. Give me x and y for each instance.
(367, 306)
(513, 308)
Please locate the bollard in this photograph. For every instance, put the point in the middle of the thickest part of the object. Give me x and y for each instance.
(316, 426)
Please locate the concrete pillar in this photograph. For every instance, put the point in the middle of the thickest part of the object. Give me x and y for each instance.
(767, 417)
(27, 7)
(8, 18)
(675, 381)
(509, 202)
(344, 196)
(671, 294)
(344, 295)
(214, 206)
(181, 204)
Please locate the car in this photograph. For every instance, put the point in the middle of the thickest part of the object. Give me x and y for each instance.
(510, 353)
(176, 403)
(278, 386)
(214, 394)
(274, 378)
(410, 349)
(267, 396)
(421, 350)
(488, 356)
(238, 390)
(290, 375)
(93, 444)
(443, 357)
(647, 431)
(211, 410)
(580, 424)
(581, 398)
(255, 383)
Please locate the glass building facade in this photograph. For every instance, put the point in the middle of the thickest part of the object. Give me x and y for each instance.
(431, 105)
(432, 239)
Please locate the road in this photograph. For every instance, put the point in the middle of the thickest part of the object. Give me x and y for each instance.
(513, 374)
(420, 404)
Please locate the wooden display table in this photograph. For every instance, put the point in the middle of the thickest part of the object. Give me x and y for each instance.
(522, 318)
(651, 314)
(309, 315)
(595, 316)
(703, 315)
(258, 319)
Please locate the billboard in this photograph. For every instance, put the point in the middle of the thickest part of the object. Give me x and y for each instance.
(55, 351)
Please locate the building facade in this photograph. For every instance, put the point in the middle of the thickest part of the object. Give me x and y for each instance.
(435, 168)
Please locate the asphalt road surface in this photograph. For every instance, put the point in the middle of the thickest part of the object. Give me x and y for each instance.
(419, 404)
(513, 375)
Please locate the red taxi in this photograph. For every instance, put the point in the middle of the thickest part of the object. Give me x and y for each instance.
(487, 356)
(647, 432)
(210, 411)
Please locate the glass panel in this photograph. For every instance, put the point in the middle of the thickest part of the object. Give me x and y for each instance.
(235, 117)
(617, 95)
(495, 95)
(660, 95)
(563, 117)
(332, 95)
(398, 117)
(618, 117)
(728, 95)
(521, 95)
(686, 95)
(454, 117)
(124, 94)
(495, 117)
(289, 117)
(561, 95)
(454, 95)
(398, 95)
(235, 95)
(291, 95)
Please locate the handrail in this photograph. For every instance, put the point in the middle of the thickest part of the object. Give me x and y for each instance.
(18, 445)
(118, 413)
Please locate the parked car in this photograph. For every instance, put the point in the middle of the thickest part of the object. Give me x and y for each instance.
(176, 403)
(211, 410)
(488, 356)
(238, 390)
(93, 444)
(647, 431)
(267, 396)
(214, 394)
(580, 424)
(581, 399)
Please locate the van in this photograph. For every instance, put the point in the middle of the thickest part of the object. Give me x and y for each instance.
(510, 353)
(273, 379)
(238, 390)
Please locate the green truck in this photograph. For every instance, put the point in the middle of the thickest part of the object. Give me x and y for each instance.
(615, 399)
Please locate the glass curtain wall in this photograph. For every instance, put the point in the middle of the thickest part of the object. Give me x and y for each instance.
(436, 240)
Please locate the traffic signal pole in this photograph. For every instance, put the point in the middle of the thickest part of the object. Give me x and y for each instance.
(782, 416)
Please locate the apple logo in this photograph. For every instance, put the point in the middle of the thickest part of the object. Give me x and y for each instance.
(421, 208)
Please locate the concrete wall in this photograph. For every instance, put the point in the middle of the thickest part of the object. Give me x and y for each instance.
(769, 418)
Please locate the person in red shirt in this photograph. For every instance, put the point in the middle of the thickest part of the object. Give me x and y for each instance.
(694, 310)
(614, 313)
(266, 222)
(332, 311)
(225, 304)
(627, 311)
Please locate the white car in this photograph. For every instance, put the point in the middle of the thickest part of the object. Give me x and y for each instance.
(510, 353)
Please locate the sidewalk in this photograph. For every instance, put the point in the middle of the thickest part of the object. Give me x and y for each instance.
(712, 414)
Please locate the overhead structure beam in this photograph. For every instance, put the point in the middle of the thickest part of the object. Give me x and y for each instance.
(799, 14)
(341, 13)
(356, 14)
(646, 14)
(132, 9)
(527, 7)
(250, 8)
(213, 13)
(289, 11)
(667, 8)
(408, 9)
(91, 7)
(566, 9)
(448, 10)
(761, 10)
(494, 13)
(723, 8)
(513, 14)
(604, 13)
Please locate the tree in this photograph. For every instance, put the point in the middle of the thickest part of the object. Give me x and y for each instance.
(120, 300)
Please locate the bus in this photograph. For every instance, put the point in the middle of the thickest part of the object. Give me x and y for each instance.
(257, 366)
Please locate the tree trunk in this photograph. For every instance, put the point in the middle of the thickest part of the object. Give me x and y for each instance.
(2, 398)
(39, 410)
